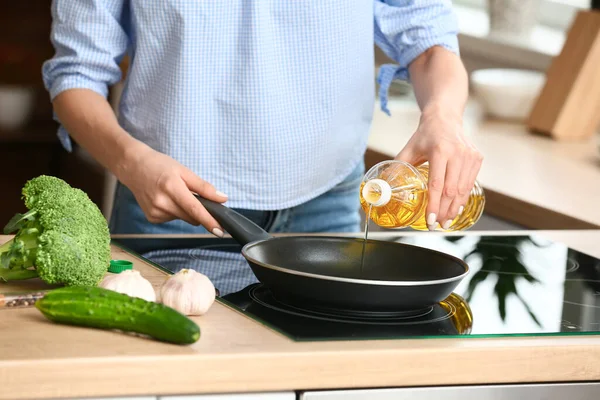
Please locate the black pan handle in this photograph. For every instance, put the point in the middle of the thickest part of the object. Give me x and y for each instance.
(241, 229)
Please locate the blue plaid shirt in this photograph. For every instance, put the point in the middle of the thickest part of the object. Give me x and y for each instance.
(270, 101)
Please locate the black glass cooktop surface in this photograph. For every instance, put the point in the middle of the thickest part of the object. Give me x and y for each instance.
(517, 285)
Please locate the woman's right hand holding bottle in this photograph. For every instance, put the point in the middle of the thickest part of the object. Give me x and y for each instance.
(454, 164)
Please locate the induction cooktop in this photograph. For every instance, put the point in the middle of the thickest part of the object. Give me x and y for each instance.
(517, 286)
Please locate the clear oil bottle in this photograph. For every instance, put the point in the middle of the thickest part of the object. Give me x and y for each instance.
(393, 194)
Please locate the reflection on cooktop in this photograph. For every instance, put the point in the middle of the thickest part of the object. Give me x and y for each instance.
(517, 285)
(450, 317)
(525, 284)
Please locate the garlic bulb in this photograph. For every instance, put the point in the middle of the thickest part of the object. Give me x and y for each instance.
(189, 292)
(130, 282)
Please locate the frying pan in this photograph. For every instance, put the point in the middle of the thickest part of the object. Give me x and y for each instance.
(325, 272)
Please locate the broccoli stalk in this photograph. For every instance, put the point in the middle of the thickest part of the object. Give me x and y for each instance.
(17, 256)
(63, 238)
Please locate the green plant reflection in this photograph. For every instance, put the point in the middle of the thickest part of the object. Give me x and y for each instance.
(501, 258)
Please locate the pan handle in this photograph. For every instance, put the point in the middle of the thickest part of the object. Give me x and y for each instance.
(241, 229)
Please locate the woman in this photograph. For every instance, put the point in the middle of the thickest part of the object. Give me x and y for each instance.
(265, 105)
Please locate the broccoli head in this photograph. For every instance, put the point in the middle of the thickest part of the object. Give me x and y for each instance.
(63, 238)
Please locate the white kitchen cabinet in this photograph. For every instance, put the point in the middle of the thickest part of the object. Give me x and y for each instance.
(571, 391)
(235, 396)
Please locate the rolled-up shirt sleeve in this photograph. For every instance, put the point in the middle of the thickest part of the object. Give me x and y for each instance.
(404, 29)
(90, 40)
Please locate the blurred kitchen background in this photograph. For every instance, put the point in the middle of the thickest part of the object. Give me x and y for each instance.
(517, 34)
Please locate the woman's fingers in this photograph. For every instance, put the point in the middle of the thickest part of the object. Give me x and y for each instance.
(174, 211)
(190, 184)
(175, 199)
(475, 168)
(468, 175)
(164, 209)
(186, 200)
(463, 190)
(469, 171)
(201, 187)
(453, 172)
(408, 155)
(437, 174)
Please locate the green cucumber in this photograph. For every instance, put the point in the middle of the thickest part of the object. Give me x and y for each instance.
(96, 307)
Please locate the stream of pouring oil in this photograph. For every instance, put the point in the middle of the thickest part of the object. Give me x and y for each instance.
(362, 256)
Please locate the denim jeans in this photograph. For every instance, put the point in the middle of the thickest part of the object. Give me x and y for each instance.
(336, 211)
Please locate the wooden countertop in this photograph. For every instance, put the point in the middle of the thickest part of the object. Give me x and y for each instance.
(530, 180)
(42, 360)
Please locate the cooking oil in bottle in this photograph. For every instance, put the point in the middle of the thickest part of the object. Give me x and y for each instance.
(364, 246)
(393, 194)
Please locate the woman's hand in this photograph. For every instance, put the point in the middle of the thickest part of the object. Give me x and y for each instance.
(454, 164)
(164, 188)
(161, 185)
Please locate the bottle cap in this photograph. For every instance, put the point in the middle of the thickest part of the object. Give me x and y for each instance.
(118, 266)
(381, 188)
